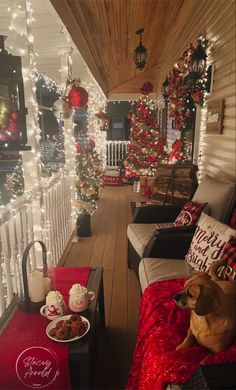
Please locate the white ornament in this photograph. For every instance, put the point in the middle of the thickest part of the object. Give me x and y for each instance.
(61, 109)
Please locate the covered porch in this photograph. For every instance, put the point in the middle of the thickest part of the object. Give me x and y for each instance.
(95, 41)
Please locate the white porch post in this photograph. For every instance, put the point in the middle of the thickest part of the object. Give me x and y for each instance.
(69, 139)
(30, 159)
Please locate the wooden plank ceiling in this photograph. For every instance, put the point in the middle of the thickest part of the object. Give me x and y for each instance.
(104, 33)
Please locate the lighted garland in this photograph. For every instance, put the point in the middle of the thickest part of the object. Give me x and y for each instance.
(88, 176)
(47, 82)
(14, 181)
(184, 91)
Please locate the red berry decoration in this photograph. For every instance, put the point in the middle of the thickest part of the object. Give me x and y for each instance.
(77, 147)
(78, 97)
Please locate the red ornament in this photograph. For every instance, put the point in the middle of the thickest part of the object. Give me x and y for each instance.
(14, 116)
(188, 114)
(78, 97)
(13, 129)
(177, 145)
(77, 146)
(4, 137)
(146, 88)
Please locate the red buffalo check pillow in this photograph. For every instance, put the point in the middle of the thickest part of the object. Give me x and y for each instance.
(189, 214)
(228, 270)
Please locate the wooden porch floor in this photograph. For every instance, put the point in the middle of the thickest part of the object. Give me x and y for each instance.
(107, 247)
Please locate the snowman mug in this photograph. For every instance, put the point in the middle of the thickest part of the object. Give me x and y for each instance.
(79, 298)
(55, 306)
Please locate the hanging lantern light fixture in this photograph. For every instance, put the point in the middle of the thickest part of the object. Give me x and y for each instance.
(198, 60)
(13, 130)
(164, 89)
(140, 53)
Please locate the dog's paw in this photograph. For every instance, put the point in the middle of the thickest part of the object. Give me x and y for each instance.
(181, 346)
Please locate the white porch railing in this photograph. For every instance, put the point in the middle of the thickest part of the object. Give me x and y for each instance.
(45, 214)
(116, 152)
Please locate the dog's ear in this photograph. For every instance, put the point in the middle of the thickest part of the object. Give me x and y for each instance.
(206, 301)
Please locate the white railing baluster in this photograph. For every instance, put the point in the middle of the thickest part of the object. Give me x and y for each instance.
(43, 214)
(9, 267)
(2, 287)
(116, 152)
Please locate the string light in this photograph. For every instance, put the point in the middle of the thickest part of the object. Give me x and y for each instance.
(21, 42)
(47, 82)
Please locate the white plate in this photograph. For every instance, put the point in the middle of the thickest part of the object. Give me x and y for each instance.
(64, 318)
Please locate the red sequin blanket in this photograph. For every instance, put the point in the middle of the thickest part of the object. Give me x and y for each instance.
(162, 326)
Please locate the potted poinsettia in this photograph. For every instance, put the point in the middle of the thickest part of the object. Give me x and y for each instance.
(88, 177)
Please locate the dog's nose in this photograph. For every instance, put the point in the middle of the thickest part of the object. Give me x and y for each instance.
(177, 297)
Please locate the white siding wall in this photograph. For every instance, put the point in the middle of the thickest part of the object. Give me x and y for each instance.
(218, 151)
(216, 20)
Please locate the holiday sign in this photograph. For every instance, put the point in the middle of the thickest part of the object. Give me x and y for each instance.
(215, 115)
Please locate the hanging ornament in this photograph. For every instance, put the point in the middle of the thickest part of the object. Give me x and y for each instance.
(77, 96)
(77, 147)
(147, 88)
(62, 109)
(4, 137)
(11, 132)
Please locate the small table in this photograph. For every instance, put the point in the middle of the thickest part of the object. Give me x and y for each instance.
(134, 205)
(80, 356)
(82, 353)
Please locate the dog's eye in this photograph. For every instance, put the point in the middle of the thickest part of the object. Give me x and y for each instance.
(189, 295)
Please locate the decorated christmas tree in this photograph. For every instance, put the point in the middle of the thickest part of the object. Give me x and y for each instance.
(89, 173)
(144, 150)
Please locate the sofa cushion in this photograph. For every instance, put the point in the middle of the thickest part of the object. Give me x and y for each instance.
(153, 270)
(139, 234)
(208, 243)
(220, 197)
(189, 214)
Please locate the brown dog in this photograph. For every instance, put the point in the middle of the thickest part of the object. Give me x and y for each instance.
(213, 316)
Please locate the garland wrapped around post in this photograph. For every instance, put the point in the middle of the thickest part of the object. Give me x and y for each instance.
(186, 88)
(89, 172)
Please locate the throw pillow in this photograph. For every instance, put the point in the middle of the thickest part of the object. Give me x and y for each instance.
(228, 270)
(189, 214)
(232, 221)
(208, 243)
(220, 197)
